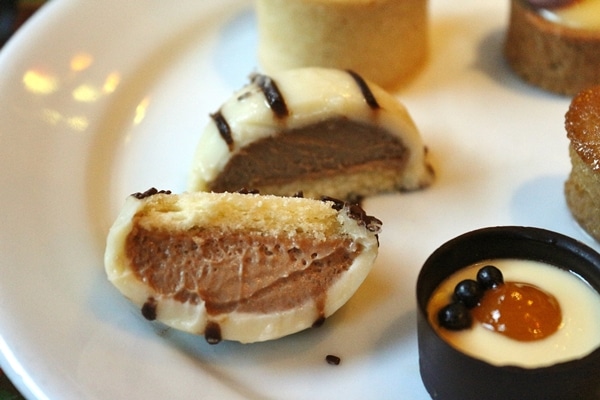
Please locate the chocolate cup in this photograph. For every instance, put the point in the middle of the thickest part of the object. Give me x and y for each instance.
(448, 373)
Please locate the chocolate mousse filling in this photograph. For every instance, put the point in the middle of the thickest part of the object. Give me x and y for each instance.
(312, 152)
(238, 271)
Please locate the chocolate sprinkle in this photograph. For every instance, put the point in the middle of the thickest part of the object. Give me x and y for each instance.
(274, 97)
(333, 360)
(149, 192)
(357, 213)
(337, 203)
(212, 333)
(319, 322)
(223, 128)
(149, 309)
(248, 191)
(365, 90)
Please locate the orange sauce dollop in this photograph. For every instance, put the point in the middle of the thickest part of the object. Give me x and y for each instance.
(520, 311)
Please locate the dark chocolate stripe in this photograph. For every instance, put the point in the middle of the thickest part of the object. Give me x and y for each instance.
(223, 128)
(150, 192)
(274, 98)
(212, 333)
(365, 90)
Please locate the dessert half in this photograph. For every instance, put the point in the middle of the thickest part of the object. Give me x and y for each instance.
(235, 266)
(312, 130)
(555, 44)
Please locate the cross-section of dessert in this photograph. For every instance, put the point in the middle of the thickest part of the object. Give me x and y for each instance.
(239, 266)
(313, 130)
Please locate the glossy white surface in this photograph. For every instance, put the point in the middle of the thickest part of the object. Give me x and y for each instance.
(577, 336)
(102, 99)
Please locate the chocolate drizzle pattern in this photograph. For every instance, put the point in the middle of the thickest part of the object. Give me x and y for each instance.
(357, 213)
(277, 103)
(223, 127)
(150, 192)
(274, 97)
(365, 90)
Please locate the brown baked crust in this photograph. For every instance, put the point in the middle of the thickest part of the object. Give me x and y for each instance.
(582, 123)
(582, 189)
(340, 136)
(582, 193)
(551, 56)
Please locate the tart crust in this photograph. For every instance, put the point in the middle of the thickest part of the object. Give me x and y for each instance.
(549, 55)
(386, 41)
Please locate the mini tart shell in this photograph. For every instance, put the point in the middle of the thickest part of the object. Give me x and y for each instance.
(549, 55)
(386, 41)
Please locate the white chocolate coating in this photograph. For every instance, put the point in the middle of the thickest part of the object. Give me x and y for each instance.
(578, 335)
(312, 95)
(239, 213)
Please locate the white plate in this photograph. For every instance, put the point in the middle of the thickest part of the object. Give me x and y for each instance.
(102, 99)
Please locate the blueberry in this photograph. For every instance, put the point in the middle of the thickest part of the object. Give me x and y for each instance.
(490, 277)
(455, 316)
(468, 292)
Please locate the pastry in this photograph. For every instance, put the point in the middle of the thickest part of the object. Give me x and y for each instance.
(555, 44)
(510, 313)
(239, 266)
(383, 40)
(582, 188)
(315, 130)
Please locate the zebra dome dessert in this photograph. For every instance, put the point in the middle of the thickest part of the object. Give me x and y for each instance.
(319, 131)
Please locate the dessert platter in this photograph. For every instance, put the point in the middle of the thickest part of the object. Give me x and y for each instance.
(102, 100)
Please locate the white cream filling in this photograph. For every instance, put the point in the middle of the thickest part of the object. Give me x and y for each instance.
(578, 335)
(581, 15)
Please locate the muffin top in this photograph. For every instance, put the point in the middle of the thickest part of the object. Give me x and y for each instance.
(582, 122)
